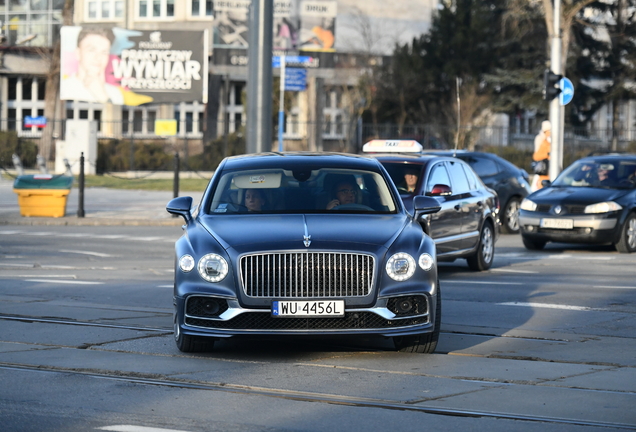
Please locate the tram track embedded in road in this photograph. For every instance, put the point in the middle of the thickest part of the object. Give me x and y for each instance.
(319, 397)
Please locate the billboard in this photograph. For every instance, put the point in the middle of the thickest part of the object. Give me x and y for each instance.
(133, 67)
(299, 25)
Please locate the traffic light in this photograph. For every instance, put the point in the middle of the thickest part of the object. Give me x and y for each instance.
(551, 85)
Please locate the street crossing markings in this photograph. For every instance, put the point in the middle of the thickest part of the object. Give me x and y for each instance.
(550, 306)
(482, 283)
(97, 254)
(513, 271)
(614, 287)
(70, 282)
(132, 428)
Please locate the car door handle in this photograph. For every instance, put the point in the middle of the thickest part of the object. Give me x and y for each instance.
(458, 207)
(480, 204)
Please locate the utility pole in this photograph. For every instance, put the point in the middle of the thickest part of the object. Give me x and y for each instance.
(556, 117)
(259, 77)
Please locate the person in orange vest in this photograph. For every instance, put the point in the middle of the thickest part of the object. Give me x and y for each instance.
(542, 144)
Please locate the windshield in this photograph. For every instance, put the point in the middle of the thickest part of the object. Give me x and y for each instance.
(277, 190)
(599, 173)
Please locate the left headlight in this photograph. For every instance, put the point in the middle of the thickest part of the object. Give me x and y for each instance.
(213, 268)
(604, 207)
(528, 205)
(400, 266)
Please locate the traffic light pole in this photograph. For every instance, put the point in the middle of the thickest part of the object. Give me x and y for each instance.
(556, 111)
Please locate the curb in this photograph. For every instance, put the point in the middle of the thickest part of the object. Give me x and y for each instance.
(75, 221)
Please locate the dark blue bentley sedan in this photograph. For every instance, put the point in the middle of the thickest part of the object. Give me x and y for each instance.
(592, 201)
(286, 244)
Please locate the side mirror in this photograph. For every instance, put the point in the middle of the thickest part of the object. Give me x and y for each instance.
(424, 205)
(181, 207)
(545, 183)
(440, 190)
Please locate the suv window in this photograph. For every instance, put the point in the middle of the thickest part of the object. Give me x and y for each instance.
(484, 167)
(460, 183)
(438, 175)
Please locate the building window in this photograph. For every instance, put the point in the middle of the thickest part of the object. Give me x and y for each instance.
(23, 99)
(334, 119)
(104, 10)
(149, 9)
(189, 118)
(234, 107)
(139, 121)
(31, 23)
(201, 8)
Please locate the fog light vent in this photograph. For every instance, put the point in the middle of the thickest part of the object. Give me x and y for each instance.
(205, 307)
(405, 306)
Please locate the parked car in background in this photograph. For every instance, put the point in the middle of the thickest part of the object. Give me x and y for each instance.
(299, 244)
(467, 226)
(511, 183)
(592, 201)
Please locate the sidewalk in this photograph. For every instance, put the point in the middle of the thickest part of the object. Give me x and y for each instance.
(102, 206)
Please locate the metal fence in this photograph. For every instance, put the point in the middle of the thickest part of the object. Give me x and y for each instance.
(131, 137)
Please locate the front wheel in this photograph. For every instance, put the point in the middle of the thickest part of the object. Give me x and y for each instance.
(424, 343)
(627, 242)
(532, 244)
(483, 258)
(511, 216)
(191, 344)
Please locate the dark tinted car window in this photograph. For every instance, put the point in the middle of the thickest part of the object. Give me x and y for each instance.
(460, 183)
(483, 166)
(473, 183)
(438, 175)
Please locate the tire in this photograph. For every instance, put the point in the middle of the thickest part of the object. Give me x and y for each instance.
(510, 216)
(191, 344)
(627, 242)
(532, 244)
(485, 254)
(424, 343)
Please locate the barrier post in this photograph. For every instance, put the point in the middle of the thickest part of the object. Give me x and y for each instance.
(80, 205)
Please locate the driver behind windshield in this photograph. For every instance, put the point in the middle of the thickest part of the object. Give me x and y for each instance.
(345, 192)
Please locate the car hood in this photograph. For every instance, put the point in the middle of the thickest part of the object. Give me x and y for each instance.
(280, 232)
(575, 195)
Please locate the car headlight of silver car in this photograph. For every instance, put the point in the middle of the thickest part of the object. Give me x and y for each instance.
(603, 207)
(528, 205)
(213, 267)
(400, 266)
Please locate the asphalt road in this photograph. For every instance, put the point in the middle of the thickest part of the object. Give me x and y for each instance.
(543, 341)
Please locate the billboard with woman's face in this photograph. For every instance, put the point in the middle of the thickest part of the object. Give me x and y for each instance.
(131, 67)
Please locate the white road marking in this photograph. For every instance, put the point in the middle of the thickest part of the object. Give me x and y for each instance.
(165, 286)
(614, 287)
(15, 265)
(72, 282)
(97, 254)
(11, 232)
(109, 237)
(549, 306)
(482, 283)
(512, 271)
(131, 428)
(145, 238)
(39, 233)
(48, 276)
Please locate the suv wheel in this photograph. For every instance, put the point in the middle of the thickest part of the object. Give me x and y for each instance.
(483, 258)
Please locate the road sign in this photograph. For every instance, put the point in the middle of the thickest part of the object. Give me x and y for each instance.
(39, 121)
(299, 61)
(295, 79)
(567, 91)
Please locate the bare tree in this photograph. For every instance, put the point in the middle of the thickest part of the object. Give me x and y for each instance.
(52, 90)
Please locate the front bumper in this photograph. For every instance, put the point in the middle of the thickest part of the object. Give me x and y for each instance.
(586, 228)
(236, 320)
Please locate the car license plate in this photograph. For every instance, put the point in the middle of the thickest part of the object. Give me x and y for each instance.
(308, 308)
(557, 223)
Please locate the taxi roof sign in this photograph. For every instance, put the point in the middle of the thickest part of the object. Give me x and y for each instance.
(392, 146)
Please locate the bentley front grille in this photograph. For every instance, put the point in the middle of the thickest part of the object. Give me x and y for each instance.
(307, 275)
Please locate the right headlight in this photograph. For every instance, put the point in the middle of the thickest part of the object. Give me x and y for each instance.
(213, 267)
(528, 205)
